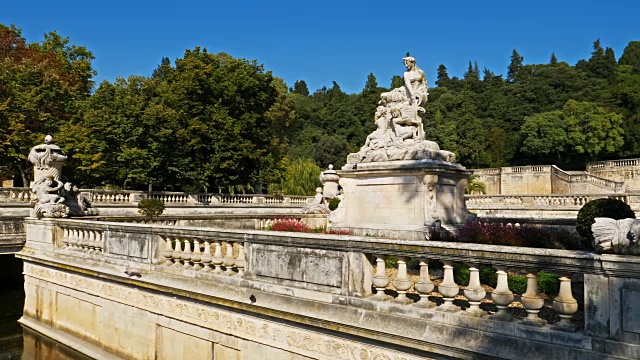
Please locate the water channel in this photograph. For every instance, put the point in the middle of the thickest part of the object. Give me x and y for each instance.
(17, 342)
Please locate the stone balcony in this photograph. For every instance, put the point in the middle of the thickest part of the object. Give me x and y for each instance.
(313, 295)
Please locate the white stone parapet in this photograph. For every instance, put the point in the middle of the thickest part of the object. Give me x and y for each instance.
(99, 196)
(308, 277)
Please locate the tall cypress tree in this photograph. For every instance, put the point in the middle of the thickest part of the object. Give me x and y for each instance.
(443, 76)
(515, 66)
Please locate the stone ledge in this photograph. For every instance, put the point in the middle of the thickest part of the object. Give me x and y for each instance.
(428, 330)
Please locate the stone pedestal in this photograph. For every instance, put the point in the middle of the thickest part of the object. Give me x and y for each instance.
(401, 199)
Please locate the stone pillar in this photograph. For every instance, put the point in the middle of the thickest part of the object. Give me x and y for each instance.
(475, 292)
(448, 288)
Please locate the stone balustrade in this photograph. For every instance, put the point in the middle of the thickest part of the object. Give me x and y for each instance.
(12, 234)
(307, 274)
(99, 196)
(15, 195)
(613, 164)
(560, 200)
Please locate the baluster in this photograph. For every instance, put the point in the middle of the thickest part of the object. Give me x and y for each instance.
(91, 243)
(380, 279)
(196, 256)
(75, 239)
(532, 301)
(177, 253)
(475, 292)
(100, 241)
(85, 241)
(218, 260)
(228, 258)
(206, 256)
(186, 253)
(168, 251)
(565, 304)
(65, 238)
(502, 296)
(424, 286)
(402, 283)
(240, 261)
(448, 288)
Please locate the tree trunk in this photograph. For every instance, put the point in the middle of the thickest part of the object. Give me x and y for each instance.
(24, 174)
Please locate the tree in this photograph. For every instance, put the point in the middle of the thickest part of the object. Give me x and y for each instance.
(580, 128)
(602, 63)
(443, 77)
(591, 129)
(300, 177)
(515, 66)
(544, 134)
(300, 87)
(41, 85)
(631, 55)
(553, 60)
(397, 81)
(371, 86)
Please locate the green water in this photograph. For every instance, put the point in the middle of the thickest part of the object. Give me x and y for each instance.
(16, 342)
(11, 341)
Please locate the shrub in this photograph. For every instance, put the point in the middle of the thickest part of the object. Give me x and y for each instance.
(290, 225)
(333, 204)
(150, 207)
(610, 208)
(525, 235)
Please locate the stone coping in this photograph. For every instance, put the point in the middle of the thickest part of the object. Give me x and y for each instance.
(560, 261)
(450, 334)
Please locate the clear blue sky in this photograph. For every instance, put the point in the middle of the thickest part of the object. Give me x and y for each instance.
(323, 41)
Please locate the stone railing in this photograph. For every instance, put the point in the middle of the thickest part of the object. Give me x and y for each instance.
(569, 201)
(599, 165)
(15, 195)
(109, 197)
(350, 273)
(12, 234)
(586, 177)
(527, 169)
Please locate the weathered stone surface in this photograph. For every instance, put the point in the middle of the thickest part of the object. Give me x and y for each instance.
(401, 199)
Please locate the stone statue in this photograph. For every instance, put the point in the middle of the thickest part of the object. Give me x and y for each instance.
(398, 118)
(616, 236)
(318, 206)
(77, 203)
(47, 159)
(52, 197)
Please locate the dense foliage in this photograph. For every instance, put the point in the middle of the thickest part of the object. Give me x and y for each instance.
(493, 233)
(211, 122)
(610, 208)
(151, 207)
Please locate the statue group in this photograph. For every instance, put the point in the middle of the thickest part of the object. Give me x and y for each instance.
(54, 198)
(399, 121)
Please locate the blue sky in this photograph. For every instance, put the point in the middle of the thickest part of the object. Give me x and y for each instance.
(325, 41)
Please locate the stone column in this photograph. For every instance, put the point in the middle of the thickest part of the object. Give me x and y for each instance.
(402, 283)
(532, 301)
(475, 292)
(502, 296)
(449, 289)
(380, 279)
(424, 286)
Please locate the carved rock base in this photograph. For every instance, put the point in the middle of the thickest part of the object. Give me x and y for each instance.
(401, 199)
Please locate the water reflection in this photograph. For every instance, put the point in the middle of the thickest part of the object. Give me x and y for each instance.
(21, 343)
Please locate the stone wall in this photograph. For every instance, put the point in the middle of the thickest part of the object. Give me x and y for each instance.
(540, 180)
(141, 291)
(626, 170)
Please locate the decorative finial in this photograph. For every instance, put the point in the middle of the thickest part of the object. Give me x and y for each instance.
(330, 166)
(408, 55)
(48, 139)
